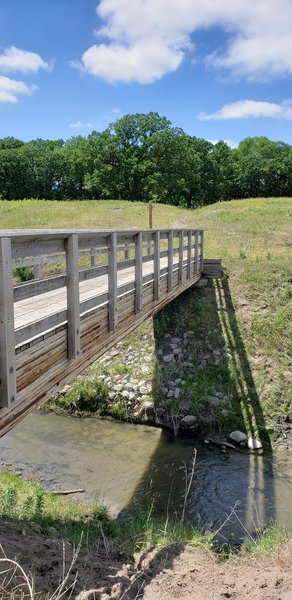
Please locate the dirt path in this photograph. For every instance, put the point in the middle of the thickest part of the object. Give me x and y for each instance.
(175, 572)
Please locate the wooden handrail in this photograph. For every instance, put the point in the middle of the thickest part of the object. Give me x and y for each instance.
(146, 279)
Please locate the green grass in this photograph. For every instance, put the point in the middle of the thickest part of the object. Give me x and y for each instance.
(25, 500)
(85, 396)
(252, 228)
(269, 541)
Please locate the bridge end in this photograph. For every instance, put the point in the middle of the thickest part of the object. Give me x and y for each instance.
(212, 268)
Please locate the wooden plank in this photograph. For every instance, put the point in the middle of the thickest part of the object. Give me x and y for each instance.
(170, 261)
(196, 252)
(202, 250)
(36, 288)
(73, 314)
(180, 255)
(212, 267)
(37, 271)
(7, 339)
(127, 251)
(35, 315)
(189, 270)
(138, 272)
(36, 247)
(112, 282)
(92, 257)
(156, 266)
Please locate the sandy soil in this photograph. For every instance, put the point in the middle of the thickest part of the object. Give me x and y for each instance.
(175, 572)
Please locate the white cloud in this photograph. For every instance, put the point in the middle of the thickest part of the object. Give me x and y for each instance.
(247, 109)
(116, 62)
(145, 39)
(80, 125)
(15, 59)
(229, 143)
(10, 89)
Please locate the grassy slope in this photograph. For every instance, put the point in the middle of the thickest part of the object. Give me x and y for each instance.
(248, 312)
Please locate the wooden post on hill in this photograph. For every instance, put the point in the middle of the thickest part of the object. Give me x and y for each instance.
(150, 224)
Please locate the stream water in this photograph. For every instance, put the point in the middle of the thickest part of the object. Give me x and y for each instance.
(119, 464)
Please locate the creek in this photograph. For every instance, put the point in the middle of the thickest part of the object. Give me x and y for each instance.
(120, 464)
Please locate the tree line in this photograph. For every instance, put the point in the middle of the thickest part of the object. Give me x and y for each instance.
(143, 157)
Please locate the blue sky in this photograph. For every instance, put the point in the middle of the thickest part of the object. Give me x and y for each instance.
(220, 69)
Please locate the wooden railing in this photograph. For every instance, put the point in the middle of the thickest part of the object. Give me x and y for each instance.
(143, 269)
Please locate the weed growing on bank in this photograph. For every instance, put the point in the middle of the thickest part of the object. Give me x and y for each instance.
(85, 396)
(269, 541)
(51, 515)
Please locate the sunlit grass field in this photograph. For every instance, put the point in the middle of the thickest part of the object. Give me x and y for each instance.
(240, 228)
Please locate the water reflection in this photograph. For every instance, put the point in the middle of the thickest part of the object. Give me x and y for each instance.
(120, 463)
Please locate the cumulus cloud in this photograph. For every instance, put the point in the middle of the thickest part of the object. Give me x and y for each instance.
(143, 40)
(247, 109)
(80, 125)
(116, 62)
(15, 59)
(10, 89)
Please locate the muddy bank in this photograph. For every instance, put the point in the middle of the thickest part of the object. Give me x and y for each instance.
(107, 572)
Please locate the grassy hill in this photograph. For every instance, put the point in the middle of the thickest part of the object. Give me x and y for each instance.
(246, 317)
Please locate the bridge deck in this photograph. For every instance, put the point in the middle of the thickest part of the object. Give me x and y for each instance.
(36, 308)
(54, 327)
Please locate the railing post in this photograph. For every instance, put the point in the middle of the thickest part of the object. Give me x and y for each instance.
(196, 252)
(127, 251)
(72, 282)
(92, 258)
(7, 336)
(189, 268)
(112, 282)
(156, 266)
(202, 251)
(38, 271)
(170, 261)
(138, 272)
(180, 256)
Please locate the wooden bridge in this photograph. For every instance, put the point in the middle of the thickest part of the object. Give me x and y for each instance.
(108, 283)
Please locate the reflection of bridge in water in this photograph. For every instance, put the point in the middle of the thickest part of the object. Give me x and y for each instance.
(52, 328)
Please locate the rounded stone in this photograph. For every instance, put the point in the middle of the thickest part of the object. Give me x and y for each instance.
(253, 443)
(237, 436)
(168, 358)
(188, 421)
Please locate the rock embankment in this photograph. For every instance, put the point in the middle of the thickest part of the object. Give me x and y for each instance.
(187, 370)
